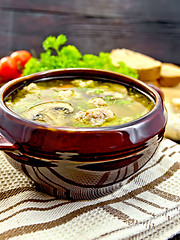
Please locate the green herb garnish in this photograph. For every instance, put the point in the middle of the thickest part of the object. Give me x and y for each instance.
(108, 98)
(56, 56)
(98, 91)
(120, 102)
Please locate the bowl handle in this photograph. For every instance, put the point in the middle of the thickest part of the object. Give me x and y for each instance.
(6, 142)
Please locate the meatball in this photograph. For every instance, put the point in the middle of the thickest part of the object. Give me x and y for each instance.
(97, 102)
(95, 116)
(63, 94)
(31, 87)
(83, 83)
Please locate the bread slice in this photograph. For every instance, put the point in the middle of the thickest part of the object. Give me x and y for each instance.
(172, 130)
(170, 75)
(172, 103)
(148, 68)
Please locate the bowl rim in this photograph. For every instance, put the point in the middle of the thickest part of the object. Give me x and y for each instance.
(48, 73)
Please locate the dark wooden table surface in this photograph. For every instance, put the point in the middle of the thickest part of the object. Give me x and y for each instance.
(151, 27)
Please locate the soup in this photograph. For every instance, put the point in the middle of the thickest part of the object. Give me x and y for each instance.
(79, 103)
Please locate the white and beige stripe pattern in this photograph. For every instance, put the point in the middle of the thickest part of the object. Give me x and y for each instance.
(146, 207)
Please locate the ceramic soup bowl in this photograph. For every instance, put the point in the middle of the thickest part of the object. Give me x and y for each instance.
(80, 162)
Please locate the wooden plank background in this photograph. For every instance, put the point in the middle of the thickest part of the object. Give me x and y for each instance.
(148, 26)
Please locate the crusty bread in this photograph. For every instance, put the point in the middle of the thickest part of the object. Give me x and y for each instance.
(170, 75)
(172, 103)
(173, 124)
(163, 75)
(148, 68)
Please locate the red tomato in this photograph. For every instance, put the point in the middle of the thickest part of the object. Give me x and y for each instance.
(11, 67)
(8, 69)
(21, 58)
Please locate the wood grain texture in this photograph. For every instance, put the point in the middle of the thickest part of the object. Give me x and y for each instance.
(150, 27)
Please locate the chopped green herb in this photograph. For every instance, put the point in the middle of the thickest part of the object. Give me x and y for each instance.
(138, 116)
(78, 124)
(108, 98)
(97, 91)
(124, 102)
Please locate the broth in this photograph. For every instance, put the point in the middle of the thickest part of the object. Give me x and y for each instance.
(79, 103)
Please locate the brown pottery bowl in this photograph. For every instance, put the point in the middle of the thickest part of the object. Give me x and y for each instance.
(80, 163)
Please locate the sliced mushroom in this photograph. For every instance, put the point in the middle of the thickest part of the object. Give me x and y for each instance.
(49, 112)
(38, 117)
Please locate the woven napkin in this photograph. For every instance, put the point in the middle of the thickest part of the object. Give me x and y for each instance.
(147, 206)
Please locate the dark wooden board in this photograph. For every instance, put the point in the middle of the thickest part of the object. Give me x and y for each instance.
(151, 27)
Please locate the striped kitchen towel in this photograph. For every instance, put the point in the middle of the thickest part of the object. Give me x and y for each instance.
(147, 206)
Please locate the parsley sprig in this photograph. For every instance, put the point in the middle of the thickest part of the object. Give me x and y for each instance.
(58, 56)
